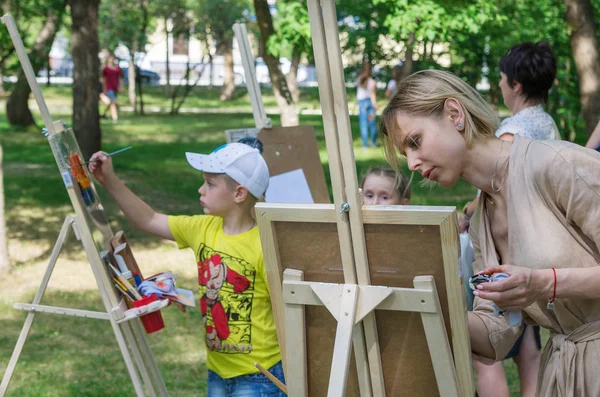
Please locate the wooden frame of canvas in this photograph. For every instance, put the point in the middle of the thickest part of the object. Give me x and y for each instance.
(413, 257)
(346, 220)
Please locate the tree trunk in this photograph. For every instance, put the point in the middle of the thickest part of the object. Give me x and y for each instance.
(141, 101)
(292, 76)
(4, 259)
(168, 87)
(584, 44)
(131, 77)
(85, 48)
(228, 77)
(280, 89)
(48, 70)
(408, 58)
(17, 108)
(211, 76)
(144, 28)
(2, 90)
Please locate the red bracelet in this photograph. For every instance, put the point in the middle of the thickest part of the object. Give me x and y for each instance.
(550, 305)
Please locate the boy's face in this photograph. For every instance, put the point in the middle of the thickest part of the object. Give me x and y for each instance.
(217, 196)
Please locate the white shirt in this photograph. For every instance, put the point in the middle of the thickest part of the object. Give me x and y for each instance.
(532, 122)
(364, 92)
(392, 87)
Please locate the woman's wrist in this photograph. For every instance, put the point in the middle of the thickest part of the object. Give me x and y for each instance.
(465, 210)
(543, 281)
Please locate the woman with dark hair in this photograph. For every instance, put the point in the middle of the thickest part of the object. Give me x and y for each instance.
(536, 220)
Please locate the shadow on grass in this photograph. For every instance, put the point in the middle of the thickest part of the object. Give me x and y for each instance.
(72, 356)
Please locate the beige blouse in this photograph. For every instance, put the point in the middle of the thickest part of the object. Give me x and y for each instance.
(553, 221)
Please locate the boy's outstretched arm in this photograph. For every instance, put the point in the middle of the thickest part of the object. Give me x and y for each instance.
(135, 209)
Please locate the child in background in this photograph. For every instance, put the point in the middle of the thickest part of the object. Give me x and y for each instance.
(234, 294)
(383, 186)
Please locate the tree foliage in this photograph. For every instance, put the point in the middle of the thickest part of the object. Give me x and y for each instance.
(124, 22)
(292, 30)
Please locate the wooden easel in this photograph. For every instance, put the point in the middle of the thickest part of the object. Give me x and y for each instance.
(258, 108)
(129, 335)
(286, 148)
(351, 302)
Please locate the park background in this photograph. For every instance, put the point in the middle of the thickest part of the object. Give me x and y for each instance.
(186, 101)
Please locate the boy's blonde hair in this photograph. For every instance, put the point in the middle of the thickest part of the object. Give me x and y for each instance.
(424, 94)
(402, 183)
(232, 185)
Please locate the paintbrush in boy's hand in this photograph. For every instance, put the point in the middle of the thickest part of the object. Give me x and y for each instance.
(111, 154)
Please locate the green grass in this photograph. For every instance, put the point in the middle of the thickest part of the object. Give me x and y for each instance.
(71, 356)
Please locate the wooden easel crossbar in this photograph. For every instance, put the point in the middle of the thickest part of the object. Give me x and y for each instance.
(129, 335)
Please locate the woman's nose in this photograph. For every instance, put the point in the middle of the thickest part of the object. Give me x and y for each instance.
(413, 161)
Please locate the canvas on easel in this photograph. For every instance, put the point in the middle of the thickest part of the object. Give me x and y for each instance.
(403, 243)
(91, 228)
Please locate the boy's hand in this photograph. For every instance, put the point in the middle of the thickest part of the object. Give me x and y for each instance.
(101, 167)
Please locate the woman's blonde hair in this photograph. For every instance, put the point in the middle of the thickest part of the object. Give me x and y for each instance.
(424, 94)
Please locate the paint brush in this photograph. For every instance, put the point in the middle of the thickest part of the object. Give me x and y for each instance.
(111, 154)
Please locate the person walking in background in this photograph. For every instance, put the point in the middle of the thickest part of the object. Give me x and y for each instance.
(112, 76)
(367, 106)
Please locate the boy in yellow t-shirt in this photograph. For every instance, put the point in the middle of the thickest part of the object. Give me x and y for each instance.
(234, 294)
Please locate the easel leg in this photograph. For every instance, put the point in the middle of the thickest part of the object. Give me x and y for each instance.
(362, 360)
(142, 343)
(437, 340)
(133, 374)
(131, 341)
(295, 323)
(62, 236)
(343, 340)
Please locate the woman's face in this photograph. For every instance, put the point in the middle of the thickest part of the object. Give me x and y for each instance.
(433, 147)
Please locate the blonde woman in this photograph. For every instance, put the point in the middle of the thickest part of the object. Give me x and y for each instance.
(537, 220)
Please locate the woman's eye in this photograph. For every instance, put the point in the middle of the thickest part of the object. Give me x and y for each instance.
(414, 142)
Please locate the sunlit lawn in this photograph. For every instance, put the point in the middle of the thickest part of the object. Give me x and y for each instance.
(71, 356)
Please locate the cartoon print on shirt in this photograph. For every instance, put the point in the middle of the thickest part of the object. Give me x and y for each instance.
(226, 300)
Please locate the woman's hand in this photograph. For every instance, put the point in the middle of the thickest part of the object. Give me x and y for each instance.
(522, 288)
(101, 167)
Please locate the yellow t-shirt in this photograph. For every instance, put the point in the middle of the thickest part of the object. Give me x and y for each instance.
(234, 295)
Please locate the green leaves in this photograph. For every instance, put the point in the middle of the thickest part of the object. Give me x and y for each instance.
(292, 30)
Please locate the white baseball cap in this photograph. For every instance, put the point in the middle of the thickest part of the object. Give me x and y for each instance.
(242, 163)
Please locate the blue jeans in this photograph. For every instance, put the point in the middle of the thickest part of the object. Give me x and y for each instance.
(366, 109)
(112, 95)
(254, 385)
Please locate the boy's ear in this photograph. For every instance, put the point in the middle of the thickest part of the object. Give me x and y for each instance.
(240, 194)
(405, 201)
